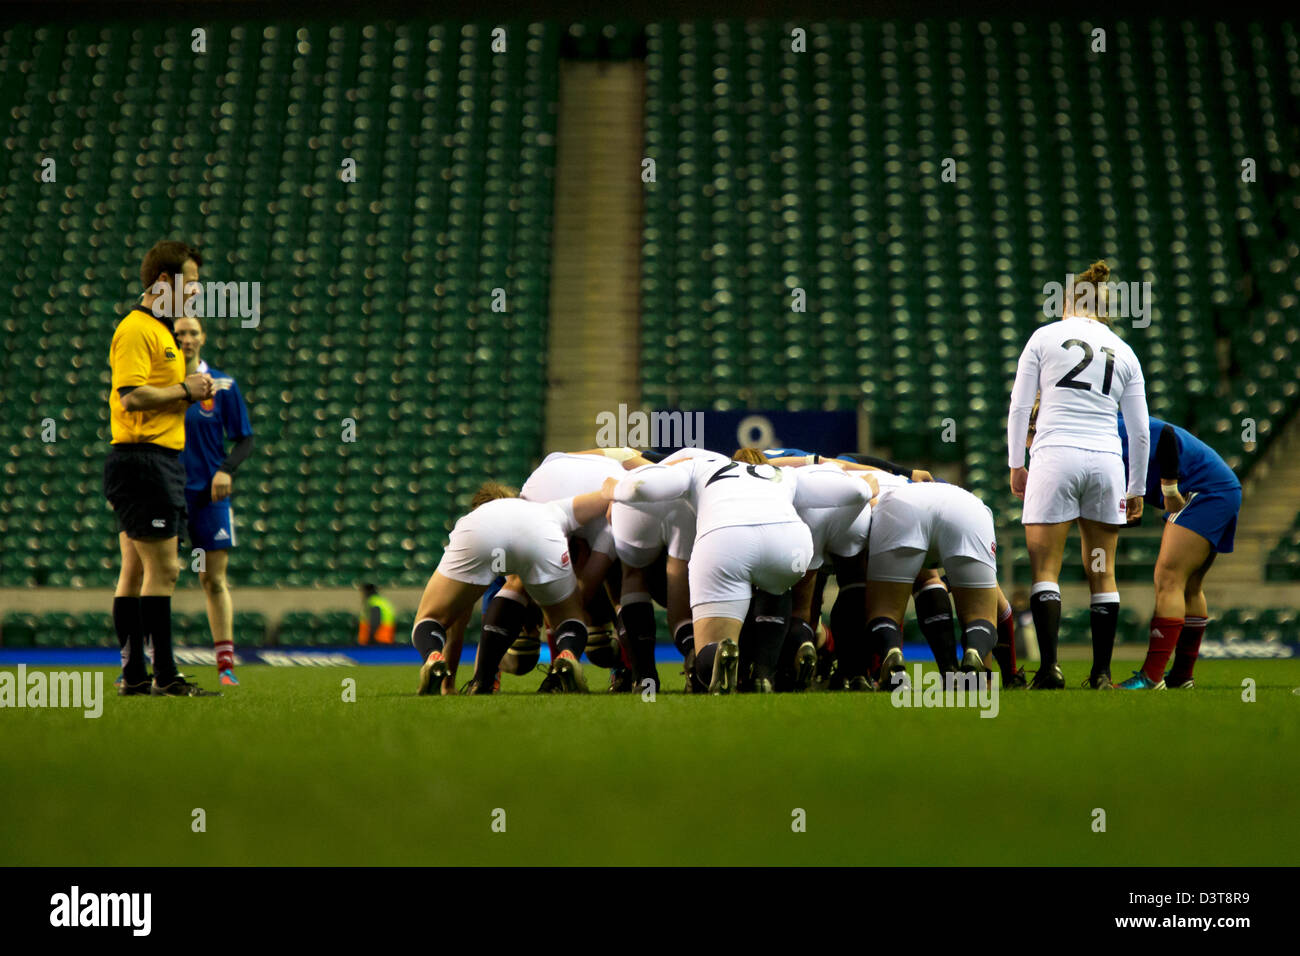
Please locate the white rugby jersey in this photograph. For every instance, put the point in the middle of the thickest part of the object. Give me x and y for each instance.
(726, 493)
(839, 528)
(562, 475)
(1085, 374)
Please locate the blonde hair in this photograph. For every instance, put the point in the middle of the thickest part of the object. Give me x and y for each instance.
(1095, 279)
(491, 491)
(749, 456)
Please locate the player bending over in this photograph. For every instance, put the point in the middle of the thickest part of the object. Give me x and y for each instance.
(505, 534)
(1201, 497)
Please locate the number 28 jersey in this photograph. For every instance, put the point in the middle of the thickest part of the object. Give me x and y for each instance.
(1084, 372)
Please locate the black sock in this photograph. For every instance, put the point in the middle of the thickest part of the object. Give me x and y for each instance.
(704, 665)
(849, 626)
(797, 632)
(684, 638)
(600, 609)
(1045, 605)
(1105, 621)
(571, 636)
(934, 617)
(130, 637)
(503, 622)
(636, 628)
(156, 623)
(979, 636)
(428, 636)
(767, 632)
(885, 632)
(1005, 649)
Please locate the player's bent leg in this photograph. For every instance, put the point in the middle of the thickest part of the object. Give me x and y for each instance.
(1005, 649)
(1194, 624)
(717, 648)
(1182, 553)
(934, 618)
(886, 604)
(1046, 546)
(976, 608)
(564, 616)
(444, 602)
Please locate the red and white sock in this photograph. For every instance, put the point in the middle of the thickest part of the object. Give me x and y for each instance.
(225, 654)
(1164, 638)
(1189, 646)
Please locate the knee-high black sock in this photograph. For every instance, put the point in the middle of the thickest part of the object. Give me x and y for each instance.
(934, 617)
(980, 636)
(571, 636)
(1105, 621)
(428, 636)
(600, 609)
(1005, 649)
(704, 665)
(767, 634)
(156, 623)
(684, 637)
(1045, 605)
(849, 626)
(130, 637)
(888, 634)
(503, 622)
(636, 629)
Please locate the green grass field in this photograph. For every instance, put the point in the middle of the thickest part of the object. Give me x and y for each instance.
(288, 773)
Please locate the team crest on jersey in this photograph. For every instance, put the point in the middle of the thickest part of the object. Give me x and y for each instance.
(993, 548)
(207, 405)
(564, 560)
(168, 353)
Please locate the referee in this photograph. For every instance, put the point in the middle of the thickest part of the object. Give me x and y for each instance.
(144, 480)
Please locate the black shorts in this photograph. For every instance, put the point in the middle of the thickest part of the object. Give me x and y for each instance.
(145, 484)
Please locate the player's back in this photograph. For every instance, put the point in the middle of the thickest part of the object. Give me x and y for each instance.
(562, 475)
(726, 492)
(1083, 370)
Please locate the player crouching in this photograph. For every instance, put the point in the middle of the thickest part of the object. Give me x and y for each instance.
(503, 534)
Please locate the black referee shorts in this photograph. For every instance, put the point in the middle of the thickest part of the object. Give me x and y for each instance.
(145, 484)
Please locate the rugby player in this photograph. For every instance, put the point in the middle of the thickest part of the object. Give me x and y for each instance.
(1084, 373)
(1201, 497)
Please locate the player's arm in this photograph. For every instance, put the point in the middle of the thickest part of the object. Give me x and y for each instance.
(1023, 392)
(651, 483)
(629, 458)
(875, 463)
(1133, 403)
(1166, 458)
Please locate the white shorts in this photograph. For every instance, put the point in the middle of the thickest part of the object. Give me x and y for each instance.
(643, 531)
(927, 522)
(489, 542)
(1067, 483)
(729, 563)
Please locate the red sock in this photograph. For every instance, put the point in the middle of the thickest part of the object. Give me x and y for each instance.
(1164, 638)
(1189, 646)
(225, 654)
(1005, 649)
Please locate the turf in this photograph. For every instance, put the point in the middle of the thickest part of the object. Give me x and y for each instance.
(287, 772)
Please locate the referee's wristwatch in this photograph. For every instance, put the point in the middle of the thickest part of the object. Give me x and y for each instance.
(189, 396)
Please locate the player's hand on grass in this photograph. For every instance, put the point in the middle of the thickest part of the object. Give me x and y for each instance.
(220, 486)
(920, 474)
(1133, 507)
(1019, 477)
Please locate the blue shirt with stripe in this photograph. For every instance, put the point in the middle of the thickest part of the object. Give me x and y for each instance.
(207, 426)
(1200, 468)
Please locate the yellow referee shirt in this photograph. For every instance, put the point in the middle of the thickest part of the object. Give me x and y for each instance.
(144, 352)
